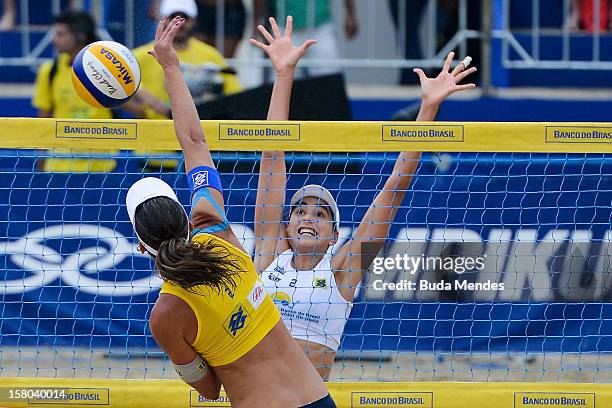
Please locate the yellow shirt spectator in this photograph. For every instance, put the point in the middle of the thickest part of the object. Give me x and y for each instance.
(199, 63)
(58, 96)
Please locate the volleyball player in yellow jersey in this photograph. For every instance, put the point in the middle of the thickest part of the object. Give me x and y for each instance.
(213, 317)
(314, 290)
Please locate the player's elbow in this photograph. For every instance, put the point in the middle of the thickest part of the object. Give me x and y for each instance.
(189, 132)
(209, 387)
(159, 324)
(211, 394)
(154, 325)
(158, 331)
(195, 135)
(192, 139)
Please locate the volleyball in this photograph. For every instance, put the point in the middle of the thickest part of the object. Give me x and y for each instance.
(105, 74)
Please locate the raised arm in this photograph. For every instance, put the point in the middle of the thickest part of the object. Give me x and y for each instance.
(203, 177)
(269, 226)
(186, 121)
(379, 217)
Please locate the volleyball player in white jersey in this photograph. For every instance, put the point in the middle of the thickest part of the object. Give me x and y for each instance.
(313, 289)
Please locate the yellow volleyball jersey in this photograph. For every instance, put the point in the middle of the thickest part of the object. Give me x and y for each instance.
(229, 324)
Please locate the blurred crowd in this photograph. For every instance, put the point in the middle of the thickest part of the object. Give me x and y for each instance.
(204, 66)
(203, 55)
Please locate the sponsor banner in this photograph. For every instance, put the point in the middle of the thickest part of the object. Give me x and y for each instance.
(315, 136)
(196, 400)
(96, 130)
(392, 399)
(554, 399)
(259, 132)
(575, 134)
(422, 133)
(74, 396)
(176, 394)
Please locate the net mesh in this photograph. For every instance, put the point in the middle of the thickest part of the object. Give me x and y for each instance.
(76, 295)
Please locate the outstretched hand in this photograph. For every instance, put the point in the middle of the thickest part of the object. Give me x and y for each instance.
(163, 50)
(283, 54)
(435, 90)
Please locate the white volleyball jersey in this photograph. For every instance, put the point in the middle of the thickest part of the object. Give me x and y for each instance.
(309, 301)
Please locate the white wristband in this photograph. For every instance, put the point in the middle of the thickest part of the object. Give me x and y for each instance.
(192, 372)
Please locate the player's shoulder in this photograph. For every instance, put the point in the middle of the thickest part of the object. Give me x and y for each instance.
(205, 238)
(170, 320)
(167, 309)
(45, 67)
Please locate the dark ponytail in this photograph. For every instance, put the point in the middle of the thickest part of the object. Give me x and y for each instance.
(162, 224)
(192, 264)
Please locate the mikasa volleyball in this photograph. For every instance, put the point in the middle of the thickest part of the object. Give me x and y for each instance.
(105, 74)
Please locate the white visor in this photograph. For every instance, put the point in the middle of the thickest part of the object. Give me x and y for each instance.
(320, 192)
(143, 190)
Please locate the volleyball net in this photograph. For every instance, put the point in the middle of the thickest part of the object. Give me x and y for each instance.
(528, 203)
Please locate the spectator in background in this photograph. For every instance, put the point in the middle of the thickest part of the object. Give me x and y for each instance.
(145, 21)
(446, 24)
(234, 17)
(312, 19)
(9, 15)
(54, 93)
(411, 41)
(204, 69)
(582, 15)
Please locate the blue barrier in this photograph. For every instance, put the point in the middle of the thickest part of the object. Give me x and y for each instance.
(478, 110)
